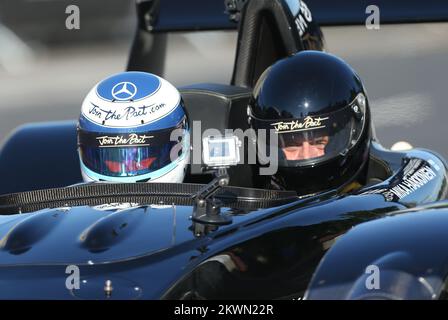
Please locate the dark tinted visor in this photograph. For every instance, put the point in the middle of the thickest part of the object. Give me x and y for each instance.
(131, 154)
(312, 139)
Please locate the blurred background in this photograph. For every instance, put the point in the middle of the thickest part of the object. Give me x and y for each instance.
(46, 70)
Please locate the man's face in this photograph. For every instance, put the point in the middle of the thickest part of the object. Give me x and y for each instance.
(306, 149)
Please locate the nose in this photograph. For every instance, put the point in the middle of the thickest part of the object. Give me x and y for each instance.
(306, 151)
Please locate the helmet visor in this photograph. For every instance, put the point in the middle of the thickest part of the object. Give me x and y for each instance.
(312, 139)
(129, 155)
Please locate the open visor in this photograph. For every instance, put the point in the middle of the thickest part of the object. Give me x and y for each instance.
(312, 139)
(131, 154)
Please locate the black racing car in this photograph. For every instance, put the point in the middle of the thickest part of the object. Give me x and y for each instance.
(213, 238)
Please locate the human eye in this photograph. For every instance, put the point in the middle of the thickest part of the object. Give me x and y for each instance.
(320, 142)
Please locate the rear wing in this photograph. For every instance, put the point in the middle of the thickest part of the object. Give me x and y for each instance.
(181, 15)
(268, 30)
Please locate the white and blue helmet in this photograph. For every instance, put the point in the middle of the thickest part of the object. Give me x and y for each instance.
(133, 127)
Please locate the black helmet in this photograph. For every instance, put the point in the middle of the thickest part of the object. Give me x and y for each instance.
(318, 110)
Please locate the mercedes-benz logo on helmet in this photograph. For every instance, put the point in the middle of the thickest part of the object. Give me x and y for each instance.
(124, 91)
